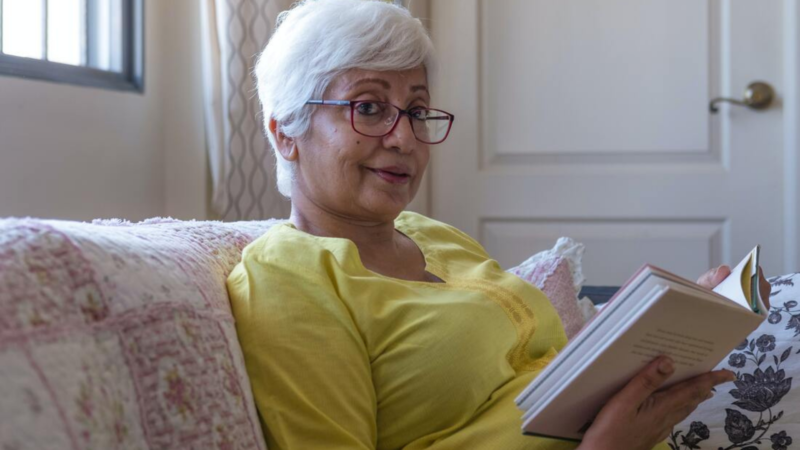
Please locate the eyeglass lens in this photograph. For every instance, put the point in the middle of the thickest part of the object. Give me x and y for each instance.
(377, 119)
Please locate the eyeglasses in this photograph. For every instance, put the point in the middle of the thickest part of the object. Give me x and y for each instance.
(377, 119)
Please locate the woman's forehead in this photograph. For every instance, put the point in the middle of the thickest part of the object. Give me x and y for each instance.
(412, 80)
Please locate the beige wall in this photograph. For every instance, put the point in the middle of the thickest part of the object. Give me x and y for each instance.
(187, 183)
(80, 153)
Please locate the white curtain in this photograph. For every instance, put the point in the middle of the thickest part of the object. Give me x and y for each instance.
(241, 160)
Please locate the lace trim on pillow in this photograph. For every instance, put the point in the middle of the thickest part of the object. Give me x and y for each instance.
(573, 252)
(587, 307)
(541, 266)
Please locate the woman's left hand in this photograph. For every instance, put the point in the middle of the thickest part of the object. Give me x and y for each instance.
(714, 277)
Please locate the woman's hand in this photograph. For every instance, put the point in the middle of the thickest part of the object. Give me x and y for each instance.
(714, 277)
(638, 417)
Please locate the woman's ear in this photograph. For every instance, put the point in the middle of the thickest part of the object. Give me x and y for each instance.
(287, 146)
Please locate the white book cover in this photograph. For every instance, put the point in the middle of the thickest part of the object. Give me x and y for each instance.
(655, 313)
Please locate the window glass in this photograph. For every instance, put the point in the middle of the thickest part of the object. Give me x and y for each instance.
(85, 42)
(64, 30)
(104, 34)
(22, 28)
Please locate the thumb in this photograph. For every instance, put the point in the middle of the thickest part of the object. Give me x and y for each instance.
(646, 382)
(714, 277)
(722, 272)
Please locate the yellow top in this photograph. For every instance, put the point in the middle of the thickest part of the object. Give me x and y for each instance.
(340, 357)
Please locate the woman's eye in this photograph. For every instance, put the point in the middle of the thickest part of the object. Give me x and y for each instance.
(368, 108)
(419, 113)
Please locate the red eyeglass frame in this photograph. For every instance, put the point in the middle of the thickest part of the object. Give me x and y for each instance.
(402, 112)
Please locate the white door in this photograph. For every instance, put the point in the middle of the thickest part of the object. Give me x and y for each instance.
(590, 119)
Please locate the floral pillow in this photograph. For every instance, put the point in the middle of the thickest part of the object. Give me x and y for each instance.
(557, 272)
(761, 409)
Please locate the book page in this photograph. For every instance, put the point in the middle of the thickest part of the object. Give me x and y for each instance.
(733, 288)
(686, 350)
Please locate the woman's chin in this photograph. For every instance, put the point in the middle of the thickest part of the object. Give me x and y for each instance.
(388, 206)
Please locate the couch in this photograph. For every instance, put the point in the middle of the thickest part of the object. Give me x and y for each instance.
(120, 336)
(116, 335)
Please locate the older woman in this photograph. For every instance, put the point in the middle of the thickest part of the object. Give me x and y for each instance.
(366, 327)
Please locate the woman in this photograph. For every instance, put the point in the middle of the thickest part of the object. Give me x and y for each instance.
(367, 327)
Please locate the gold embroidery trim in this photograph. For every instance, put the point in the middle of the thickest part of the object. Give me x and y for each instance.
(517, 310)
(523, 318)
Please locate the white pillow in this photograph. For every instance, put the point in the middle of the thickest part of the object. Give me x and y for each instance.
(761, 410)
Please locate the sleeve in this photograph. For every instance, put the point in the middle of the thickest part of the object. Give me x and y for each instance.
(307, 362)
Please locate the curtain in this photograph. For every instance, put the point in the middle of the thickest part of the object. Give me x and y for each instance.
(240, 157)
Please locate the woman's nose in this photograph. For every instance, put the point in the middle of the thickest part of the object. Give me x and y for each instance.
(402, 136)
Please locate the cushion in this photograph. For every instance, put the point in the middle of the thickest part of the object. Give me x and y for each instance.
(557, 272)
(121, 336)
(760, 409)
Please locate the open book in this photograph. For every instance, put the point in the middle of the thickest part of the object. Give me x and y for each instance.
(654, 313)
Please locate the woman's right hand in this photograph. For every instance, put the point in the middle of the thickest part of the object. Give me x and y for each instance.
(638, 417)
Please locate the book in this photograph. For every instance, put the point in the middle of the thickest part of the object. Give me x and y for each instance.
(654, 313)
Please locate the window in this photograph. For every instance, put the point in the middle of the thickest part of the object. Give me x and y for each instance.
(85, 42)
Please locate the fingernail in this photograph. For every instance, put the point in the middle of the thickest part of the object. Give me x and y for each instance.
(666, 366)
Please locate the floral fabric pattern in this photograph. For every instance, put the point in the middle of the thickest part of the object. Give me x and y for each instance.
(120, 336)
(759, 410)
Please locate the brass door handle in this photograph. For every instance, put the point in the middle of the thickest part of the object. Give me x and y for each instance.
(758, 95)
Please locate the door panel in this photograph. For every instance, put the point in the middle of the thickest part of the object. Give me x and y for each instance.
(592, 122)
(579, 78)
(613, 246)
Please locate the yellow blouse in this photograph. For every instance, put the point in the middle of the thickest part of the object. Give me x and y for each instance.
(340, 357)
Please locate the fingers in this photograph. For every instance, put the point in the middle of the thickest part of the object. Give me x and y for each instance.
(764, 288)
(714, 277)
(705, 279)
(684, 397)
(722, 272)
(642, 386)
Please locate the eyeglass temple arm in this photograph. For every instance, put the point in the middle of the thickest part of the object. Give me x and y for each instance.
(329, 102)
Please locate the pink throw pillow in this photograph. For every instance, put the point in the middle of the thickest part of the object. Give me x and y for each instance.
(557, 272)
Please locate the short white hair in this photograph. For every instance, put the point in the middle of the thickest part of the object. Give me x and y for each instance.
(316, 41)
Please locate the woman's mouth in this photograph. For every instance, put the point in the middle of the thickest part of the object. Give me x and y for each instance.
(393, 175)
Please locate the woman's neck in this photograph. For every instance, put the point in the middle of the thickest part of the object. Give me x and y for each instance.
(381, 248)
(366, 234)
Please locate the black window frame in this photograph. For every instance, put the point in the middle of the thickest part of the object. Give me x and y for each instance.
(130, 79)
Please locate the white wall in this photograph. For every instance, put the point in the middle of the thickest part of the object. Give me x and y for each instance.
(79, 153)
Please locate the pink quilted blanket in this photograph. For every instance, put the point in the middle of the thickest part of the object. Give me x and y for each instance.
(115, 336)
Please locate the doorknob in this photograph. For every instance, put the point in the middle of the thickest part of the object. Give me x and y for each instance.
(758, 95)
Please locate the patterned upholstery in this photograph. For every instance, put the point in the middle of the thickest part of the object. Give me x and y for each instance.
(758, 410)
(115, 336)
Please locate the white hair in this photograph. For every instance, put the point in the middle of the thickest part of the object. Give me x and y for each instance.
(316, 41)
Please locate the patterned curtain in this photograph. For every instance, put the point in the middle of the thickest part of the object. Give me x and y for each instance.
(241, 160)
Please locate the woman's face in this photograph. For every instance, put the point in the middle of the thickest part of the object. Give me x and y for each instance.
(355, 176)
